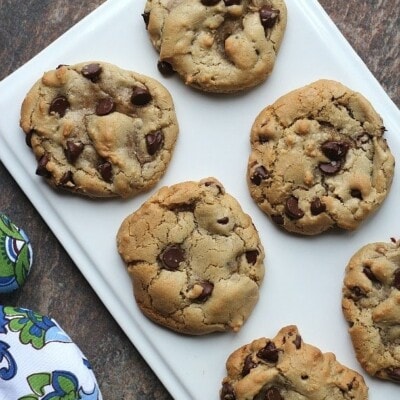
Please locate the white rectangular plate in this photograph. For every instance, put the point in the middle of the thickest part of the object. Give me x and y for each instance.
(304, 275)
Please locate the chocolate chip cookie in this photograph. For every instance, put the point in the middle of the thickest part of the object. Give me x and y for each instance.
(287, 368)
(99, 130)
(371, 305)
(217, 45)
(319, 160)
(195, 258)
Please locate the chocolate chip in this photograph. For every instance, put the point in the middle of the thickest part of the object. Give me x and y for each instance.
(396, 279)
(59, 106)
(273, 393)
(251, 256)
(146, 18)
(335, 150)
(92, 71)
(73, 150)
(317, 207)
(268, 16)
(292, 209)
(208, 288)
(105, 106)
(41, 169)
(259, 174)
(227, 392)
(183, 207)
(278, 219)
(369, 274)
(330, 168)
(165, 68)
(232, 2)
(357, 292)
(140, 96)
(105, 170)
(248, 365)
(28, 138)
(172, 256)
(154, 142)
(356, 193)
(223, 221)
(269, 353)
(297, 342)
(209, 2)
(393, 373)
(66, 178)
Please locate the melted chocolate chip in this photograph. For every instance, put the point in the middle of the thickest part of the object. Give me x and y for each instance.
(165, 68)
(317, 207)
(209, 2)
(59, 106)
(208, 288)
(396, 279)
(183, 207)
(223, 221)
(172, 256)
(292, 209)
(356, 193)
(278, 219)
(232, 2)
(154, 142)
(357, 292)
(273, 393)
(28, 138)
(297, 342)
(92, 71)
(105, 106)
(66, 178)
(248, 365)
(251, 256)
(370, 275)
(259, 174)
(140, 96)
(146, 18)
(227, 392)
(393, 373)
(335, 150)
(268, 16)
(330, 168)
(41, 169)
(73, 150)
(269, 353)
(105, 170)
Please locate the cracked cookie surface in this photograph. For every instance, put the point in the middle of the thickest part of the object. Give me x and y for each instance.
(195, 258)
(217, 45)
(319, 160)
(99, 130)
(287, 368)
(371, 305)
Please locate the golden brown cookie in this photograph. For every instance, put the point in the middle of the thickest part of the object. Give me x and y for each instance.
(195, 258)
(217, 45)
(99, 130)
(319, 159)
(371, 305)
(287, 368)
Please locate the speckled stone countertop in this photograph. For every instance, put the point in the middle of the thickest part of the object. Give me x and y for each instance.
(371, 27)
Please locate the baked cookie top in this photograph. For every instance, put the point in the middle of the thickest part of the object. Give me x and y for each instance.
(319, 160)
(371, 305)
(285, 367)
(195, 258)
(217, 45)
(99, 130)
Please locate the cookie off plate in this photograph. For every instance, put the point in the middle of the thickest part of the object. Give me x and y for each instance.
(304, 275)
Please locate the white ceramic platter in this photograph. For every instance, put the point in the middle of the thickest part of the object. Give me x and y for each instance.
(304, 275)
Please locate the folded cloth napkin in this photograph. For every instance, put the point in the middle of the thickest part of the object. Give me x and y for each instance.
(38, 360)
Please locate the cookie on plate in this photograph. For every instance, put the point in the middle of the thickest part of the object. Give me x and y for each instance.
(99, 130)
(217, 45)
(195, 258)
(319, 160)
(287, 368)
(371, 305)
